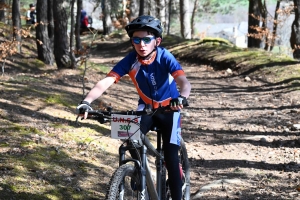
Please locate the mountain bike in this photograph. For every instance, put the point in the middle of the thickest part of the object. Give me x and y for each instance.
(133, 179)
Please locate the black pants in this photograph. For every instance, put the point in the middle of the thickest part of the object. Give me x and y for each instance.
(165, 123)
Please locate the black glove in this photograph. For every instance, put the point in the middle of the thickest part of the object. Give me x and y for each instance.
(83, 107)
(181, 100)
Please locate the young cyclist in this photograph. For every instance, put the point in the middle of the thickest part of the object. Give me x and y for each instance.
(156, 74)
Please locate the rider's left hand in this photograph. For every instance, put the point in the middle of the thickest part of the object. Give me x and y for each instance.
(178, 103)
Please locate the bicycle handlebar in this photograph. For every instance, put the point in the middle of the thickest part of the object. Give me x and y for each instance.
(103, 116)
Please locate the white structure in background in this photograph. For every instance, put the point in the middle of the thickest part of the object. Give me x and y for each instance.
(236, 34)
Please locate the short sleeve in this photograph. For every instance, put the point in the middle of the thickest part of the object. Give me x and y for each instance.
(170, 63)
(122, 67)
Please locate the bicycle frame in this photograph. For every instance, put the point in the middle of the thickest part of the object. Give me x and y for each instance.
(144, 168)
(158, 190)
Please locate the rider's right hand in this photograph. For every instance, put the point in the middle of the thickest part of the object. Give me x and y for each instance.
(83, 107)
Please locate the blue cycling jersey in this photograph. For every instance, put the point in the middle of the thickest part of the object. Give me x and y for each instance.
(155, 82)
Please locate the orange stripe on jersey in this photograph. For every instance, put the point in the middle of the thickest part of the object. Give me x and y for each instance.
(146, 99)
(114, 75)
(177, 73)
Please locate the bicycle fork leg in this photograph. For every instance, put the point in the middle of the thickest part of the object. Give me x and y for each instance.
(143, 173)
(122, 150)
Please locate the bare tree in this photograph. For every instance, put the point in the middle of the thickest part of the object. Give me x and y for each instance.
(264, 27)
(2, 10)
(150, 8)
(161, 12)
(61, 43)
(253, 24)
(295, 35)
(170, 16)
(16, 19)
(134, 9)
(142, 8)
(50, 24)
(107, 23)
(72, 24)
(185, 19)
(45, 51)
(193, 18)
(77, 25)
(275, 24)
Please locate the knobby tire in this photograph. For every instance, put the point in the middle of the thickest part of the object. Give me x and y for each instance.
(124, 174)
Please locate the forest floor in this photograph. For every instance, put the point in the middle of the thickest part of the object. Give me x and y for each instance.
(242, 134)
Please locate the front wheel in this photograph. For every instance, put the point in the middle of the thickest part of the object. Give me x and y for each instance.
(124, 184)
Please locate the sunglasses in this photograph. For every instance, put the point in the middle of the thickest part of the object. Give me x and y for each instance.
(146, 40)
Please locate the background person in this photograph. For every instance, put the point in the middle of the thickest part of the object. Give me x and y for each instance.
(31, 15)
(84, 22)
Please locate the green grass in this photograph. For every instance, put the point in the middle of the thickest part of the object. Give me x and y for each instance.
(98, 67)
(57, 99)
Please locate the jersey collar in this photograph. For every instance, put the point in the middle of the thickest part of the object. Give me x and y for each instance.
(147, 61)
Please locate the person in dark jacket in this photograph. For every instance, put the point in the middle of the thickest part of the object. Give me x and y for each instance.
(84, 22)
(31, 15)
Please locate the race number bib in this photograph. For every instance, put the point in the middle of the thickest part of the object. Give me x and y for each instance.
(125, 126)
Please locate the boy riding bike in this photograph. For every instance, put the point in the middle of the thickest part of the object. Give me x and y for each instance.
(155, 73)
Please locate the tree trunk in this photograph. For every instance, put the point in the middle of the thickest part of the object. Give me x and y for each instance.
(295, 35)
(170, 16)
(185, 19)
(134, 10)
(275, 23)
(42, 40)
(142, 7)
(77, 26)
(16, 19)
(72, 25)
(2, 11)
(50, 24)
(150, 8)
(61, 43)
(72, 55)
(8, 19)
(253, 23)
(161, 12)
(265, 33)
(193, 18)
(107, 23)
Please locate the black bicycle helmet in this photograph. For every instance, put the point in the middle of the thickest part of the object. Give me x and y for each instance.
(145, 22)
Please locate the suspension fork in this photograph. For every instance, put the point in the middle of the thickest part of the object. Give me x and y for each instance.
(141, 167)
(143, 152)
(122, 150)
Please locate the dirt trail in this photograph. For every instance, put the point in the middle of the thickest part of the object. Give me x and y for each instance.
(240, 134)
(243, 131)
